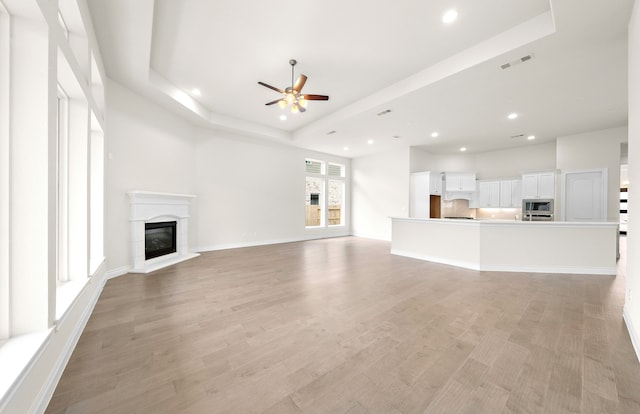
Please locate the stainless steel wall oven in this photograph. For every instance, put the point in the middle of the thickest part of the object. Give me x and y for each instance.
(537, 210)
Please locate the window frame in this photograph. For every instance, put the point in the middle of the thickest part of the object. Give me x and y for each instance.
(326, 177)
(322, 195)
(5, 171)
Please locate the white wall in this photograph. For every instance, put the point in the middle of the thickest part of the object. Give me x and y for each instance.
(453, 162)
(148, 149)
(597, 149)
(632, 304)
(380, 189)
(420, 160)
(252, 192)
(506, 163)
(515, 161)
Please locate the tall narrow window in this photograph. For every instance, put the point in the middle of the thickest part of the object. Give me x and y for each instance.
(335, 207)
(314, 202)
(314, 194)
(96, 197)
(62, 134)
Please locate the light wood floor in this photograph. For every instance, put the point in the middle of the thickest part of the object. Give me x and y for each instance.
(341, 326)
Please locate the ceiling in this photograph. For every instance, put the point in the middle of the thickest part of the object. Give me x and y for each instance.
(397, 56)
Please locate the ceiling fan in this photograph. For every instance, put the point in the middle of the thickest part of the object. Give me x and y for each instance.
(292, 94)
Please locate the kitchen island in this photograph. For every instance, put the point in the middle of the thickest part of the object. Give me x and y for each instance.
(510, 245)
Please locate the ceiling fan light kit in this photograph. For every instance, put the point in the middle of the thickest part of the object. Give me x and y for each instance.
(292, 95)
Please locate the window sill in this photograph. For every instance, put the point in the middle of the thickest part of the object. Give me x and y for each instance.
(94, 265)
(67, 293)
(15, 356)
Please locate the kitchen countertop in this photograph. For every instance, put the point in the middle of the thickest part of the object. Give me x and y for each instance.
(485, 221)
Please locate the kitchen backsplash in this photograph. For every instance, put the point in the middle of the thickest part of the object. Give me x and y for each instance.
(457, 208)
(460, 208)
(499, 213)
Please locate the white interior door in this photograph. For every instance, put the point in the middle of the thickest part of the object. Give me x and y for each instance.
(585, 195)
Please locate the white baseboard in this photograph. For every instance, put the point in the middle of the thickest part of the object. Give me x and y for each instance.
(118, 271)
(633, 333)
(465, 265)
(371, 236)
(604, 271)
(255, 243)
(599, 271)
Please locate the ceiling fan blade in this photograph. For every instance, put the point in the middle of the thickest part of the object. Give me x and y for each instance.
(273, 102)
(302, 79)
(271, 87)
(316, 97)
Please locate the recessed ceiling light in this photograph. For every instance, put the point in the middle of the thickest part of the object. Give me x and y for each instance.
(370, 142)
(434, 134)
(283, 117)
(463, 149)
(531, 137)
(512, 115)
(449, 16)
(346, 148)
(196, 91)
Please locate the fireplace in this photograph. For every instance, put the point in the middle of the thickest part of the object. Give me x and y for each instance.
(159, 230)
(159, 239)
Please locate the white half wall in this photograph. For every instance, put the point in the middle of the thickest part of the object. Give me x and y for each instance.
(632, 302)
(380, 190)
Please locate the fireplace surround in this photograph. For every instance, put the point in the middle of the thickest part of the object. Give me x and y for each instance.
(150, 210)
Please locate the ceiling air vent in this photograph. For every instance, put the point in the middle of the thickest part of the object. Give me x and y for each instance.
(331, 132)
(386, 111)
(517, 136)
(517, 61)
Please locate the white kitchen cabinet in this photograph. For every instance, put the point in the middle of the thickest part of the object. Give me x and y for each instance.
(539, 185)
(419, 194)
(489, 194)
(425, 191)
(435, 187)
(510, 194)
(460, 181)
(474, 199)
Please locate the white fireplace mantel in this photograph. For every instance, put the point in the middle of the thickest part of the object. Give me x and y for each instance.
(151, 207)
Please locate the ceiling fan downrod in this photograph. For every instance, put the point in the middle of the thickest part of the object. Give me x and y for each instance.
(292, 62)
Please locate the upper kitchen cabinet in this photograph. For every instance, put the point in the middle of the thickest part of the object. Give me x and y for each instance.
(539, 185)
(499, 194)
(489, 194)
(460, 181)
(510, 194)
(435, 187)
